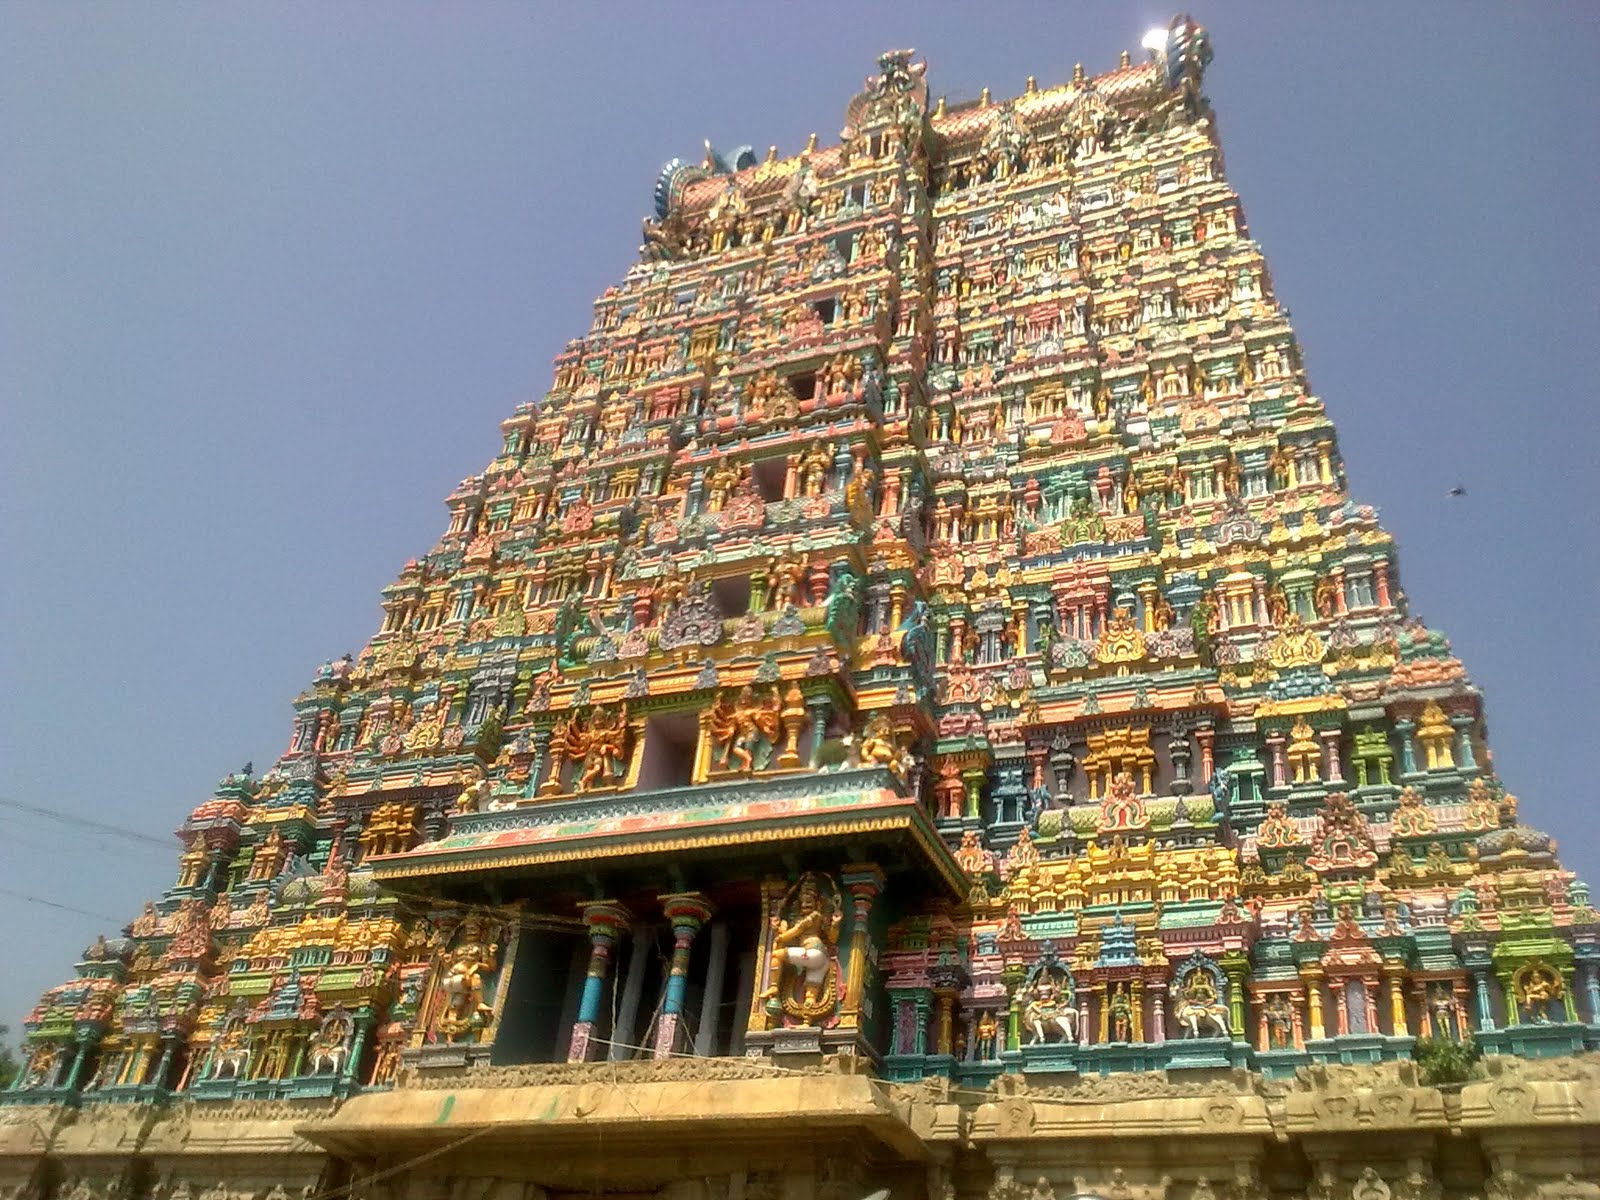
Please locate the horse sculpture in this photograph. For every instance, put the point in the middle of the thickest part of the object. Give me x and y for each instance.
(230, 1062)
(1196, 1005)
(1045, 1008)
(331, 1049)
(329, 1060)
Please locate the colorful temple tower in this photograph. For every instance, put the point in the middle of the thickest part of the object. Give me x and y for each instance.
(913, 705)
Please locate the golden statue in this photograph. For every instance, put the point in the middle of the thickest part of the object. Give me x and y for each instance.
(814, 467)
(720, 482)
(461, 1008)
(804, 963)
(877, 747)
(1536, 988)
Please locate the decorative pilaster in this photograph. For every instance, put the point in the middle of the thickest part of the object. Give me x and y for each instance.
(1463, 729)
(1012, 975)
(864, 881)
(1330, 756)
(1313, 980)
(1397, 1005)
(1408, 752)
(1480, 991)
(1237, 968)
(1206, 736)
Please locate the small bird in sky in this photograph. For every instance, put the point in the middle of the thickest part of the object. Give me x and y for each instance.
(1458, 490)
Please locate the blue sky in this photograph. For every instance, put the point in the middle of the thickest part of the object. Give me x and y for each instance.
(270, 276)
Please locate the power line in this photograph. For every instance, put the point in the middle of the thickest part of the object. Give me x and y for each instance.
(82, 912)
(82, 822)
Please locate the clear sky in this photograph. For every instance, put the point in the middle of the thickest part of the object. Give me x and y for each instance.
(270, 276)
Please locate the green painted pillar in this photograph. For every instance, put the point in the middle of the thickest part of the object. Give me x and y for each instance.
(1236, 967)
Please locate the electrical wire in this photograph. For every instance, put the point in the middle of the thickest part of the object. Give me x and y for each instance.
(82, 912)
(82, 822)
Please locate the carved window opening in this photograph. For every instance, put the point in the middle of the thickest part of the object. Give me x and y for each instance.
(768, 476)
(667, 760)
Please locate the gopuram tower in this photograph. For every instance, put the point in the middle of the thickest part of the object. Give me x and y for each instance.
(913, 706)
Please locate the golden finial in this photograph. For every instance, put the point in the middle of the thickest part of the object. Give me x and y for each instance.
(772, 154)
(1126, 60)
(1033, 85)
(939, 111)
(811, 143)
(983, 99)
(1077, 72)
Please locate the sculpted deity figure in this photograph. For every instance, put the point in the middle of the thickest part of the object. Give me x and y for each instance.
(461, 1008)
(1198, 1005)
(1121, 1014)
(1444, 1011)
(1280, 1022)
(44, 1066)
(805, 963)
(720, 482)
(743, 729)
(330, 1049)
(987, 1041)
(231, 1057)
(877, 746)
(606, 753)
(1370, 1186)
(786, 581)
(1048, 1006)
(814, 467)
(1537, 987)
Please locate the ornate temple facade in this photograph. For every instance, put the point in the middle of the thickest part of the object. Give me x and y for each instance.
(913, 706)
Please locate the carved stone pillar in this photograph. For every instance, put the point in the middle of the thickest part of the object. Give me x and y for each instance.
(687, 911)
(705, 1040)
(623, 1033)
(76, 1070)
(1012, 975)
(1178, 748)
(607, 921)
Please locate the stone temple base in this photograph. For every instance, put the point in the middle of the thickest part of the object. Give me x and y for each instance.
(763, 1128)
(808, 1045)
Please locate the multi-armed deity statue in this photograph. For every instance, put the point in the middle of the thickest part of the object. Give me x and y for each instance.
(924, 621)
